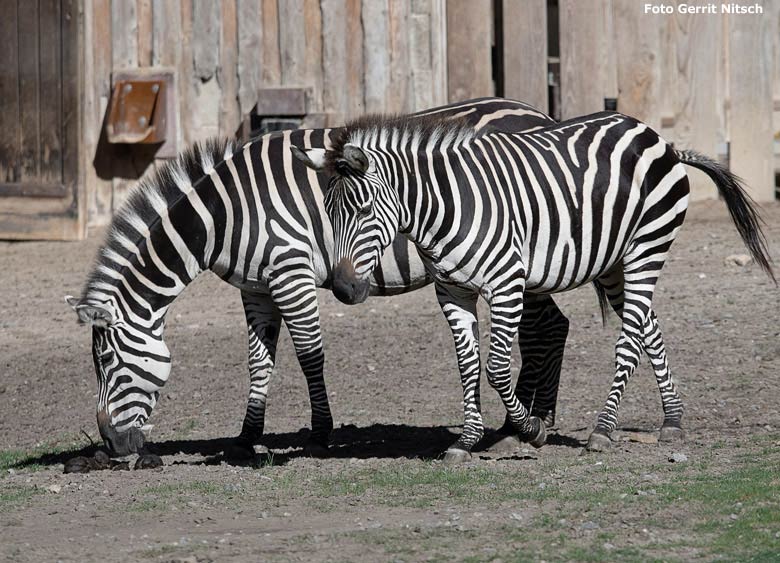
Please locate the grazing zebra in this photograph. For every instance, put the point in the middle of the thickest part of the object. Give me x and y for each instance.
(510, 216)
(255, 217)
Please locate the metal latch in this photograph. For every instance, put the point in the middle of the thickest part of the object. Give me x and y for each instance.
(138, 112)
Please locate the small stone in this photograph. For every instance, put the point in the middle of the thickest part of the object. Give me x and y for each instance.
(678, 458)
(79, 464)
(148, 461)
(738, 259)
(641, 437)
(102, 459)
(589, 525)
(516, 516)
(54, 488)
(733, 516)
(608, 546)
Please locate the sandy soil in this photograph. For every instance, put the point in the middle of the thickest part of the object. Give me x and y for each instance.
(395, 394)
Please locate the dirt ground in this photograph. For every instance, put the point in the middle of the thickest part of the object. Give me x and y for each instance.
(395, 393)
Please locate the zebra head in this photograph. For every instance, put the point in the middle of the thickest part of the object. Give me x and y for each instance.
(364, 211)
(132, 363)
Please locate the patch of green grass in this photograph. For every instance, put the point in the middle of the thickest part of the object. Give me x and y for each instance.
(18, 494)
(38, 457)
(751, 493)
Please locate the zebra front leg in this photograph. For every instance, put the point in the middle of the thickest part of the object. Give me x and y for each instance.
(460, 309)
(263, 325)
(671, 429)
(506, 310)
(295, 295)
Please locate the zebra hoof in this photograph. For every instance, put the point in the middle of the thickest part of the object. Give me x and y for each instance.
(541, 437)
(598, 442)
(671, 434)
(537, 437)
(456, 456)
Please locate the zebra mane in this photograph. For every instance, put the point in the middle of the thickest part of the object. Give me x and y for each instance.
(400, 130)
(140, 212)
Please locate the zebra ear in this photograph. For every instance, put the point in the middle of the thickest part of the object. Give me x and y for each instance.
(355, 158)
(313, 158)
(91, 314)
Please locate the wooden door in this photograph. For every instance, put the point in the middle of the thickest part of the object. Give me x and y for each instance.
(39, 118)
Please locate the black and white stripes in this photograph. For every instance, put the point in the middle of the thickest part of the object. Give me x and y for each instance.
(253, 215)
(511, 216)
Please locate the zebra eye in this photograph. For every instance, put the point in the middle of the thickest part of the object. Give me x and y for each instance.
(107, 356)
(365, 209)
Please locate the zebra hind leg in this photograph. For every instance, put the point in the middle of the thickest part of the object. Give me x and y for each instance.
(460, 310)
(671, 429)
(542, 338)
(263, 325)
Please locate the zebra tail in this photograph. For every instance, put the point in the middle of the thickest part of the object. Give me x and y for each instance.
(604, 305)
(743, 210)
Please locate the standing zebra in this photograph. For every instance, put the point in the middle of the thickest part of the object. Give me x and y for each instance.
(255, 217)
(507, 216)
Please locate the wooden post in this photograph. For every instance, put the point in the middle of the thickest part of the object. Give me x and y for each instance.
(750, 85)
(697, 112)
(525, 51)
(588, 69)
(469, 61)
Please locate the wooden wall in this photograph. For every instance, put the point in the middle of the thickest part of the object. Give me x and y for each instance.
(358, 56)
(703, 81)
(354, 55)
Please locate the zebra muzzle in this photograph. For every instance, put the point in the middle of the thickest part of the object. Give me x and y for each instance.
(119, 443)
(346, 286)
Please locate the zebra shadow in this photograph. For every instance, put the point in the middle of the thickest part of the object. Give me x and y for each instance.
(390, 441)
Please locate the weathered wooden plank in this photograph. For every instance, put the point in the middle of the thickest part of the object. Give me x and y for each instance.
(229, 111)
(185, 73)
(469, 32)
(695, 111)
(588, 70)
(27, 218)
(50, 96)
(376, 54)
(525, 51)
(29, 89)
(398, 94)
(124, 38)
(439, 52)
(638, 45)
(9, 96)
(312, 31)
(145, 32)
(205, 38)
(97, 88)
(354, 54)
(420, 59)
(750, 85)
(292, 42)
(250, 53)
(271, 62)
(334, 56)
(124, 34)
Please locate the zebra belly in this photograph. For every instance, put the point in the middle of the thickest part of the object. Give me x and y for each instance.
(565, 269)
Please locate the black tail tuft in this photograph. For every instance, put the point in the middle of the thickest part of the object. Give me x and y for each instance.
(604, 305)
(742, 208)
